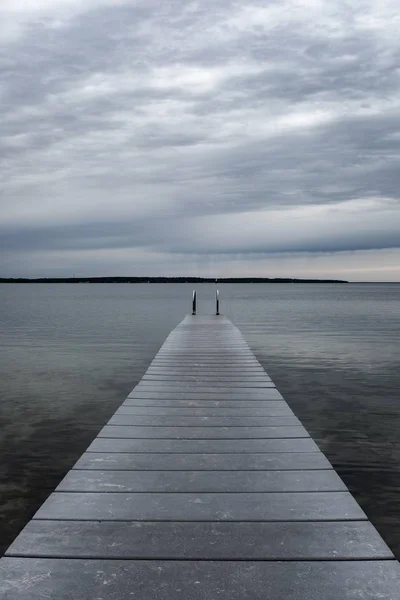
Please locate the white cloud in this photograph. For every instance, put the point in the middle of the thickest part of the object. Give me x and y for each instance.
(214, 127)
(319, 228)
(16, 16)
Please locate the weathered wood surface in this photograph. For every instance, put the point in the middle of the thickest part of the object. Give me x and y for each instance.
(202, 485)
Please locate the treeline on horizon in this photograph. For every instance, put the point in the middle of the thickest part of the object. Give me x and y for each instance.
(166, 280)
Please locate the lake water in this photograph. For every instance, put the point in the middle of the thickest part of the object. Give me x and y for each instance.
(69, 355)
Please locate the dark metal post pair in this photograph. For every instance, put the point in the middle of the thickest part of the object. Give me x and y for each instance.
(194, 303)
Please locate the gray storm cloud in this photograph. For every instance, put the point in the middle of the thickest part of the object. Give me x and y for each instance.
(162, 136)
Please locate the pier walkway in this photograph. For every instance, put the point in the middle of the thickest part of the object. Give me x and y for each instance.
(204, 485)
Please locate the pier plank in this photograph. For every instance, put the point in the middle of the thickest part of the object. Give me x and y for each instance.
(226, 381)
(197, 433)
(212, 370)
(203, 446)
(208, 394)
(272, 410)
(323, 540)
(203, 462)
(211, 388)
(202, 481)
(226, 580)
(203, 403)
(254, 506)
(201, 421)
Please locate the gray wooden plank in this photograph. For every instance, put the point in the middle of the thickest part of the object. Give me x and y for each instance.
(210, 388)
(221, 357)
(207, 347)
(211, 369)
(176, 373)
(201, 481)
(218, 373)
(200, 580)
(212, 372)
(203, 363)
(195, 333)
(193, 342)
(216, 321)
(198, 421)
(207, 462)
(202, 403)
(222, 354)
(233, 374)
(204, 446)
(270, 506)
(198, 333)
(278, 410)
(205, 433)
(181, 337)
(245, 394)
(191, 339)
(206, 379)
(344, 540)
(211, 350)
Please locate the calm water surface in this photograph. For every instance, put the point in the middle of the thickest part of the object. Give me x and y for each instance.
(69, 354)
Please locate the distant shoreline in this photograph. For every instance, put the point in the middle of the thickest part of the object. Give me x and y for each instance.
(166, 280)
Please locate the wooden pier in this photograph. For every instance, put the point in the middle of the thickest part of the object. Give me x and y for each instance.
(203, 486)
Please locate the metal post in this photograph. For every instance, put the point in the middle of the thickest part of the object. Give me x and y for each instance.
(217, 300)
(194, 303)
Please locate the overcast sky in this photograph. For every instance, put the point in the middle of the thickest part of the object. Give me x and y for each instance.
(216, 138)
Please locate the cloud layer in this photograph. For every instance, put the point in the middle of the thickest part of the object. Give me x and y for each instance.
(148, 137)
